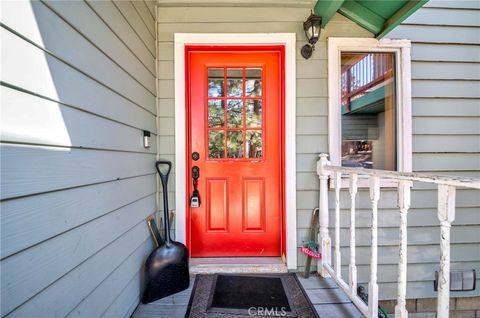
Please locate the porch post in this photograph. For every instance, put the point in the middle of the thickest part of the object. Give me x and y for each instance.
(446, 215)
(404, 204)
(323, 236)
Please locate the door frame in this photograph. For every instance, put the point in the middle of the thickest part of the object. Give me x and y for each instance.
(181, 40)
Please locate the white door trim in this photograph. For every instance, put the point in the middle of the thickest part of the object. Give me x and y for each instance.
(285, 39)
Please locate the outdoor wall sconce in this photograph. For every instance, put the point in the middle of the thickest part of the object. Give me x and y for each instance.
(312, 32)
(146, 139)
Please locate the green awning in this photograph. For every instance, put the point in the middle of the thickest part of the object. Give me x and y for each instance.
(377, 16)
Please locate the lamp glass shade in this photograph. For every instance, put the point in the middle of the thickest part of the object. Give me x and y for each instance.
(312, 28)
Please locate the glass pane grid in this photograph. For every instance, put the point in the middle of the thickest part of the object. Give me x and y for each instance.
(235, 107)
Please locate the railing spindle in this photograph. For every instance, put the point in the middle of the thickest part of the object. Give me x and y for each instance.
(323, 235)
(353, 266)
(372, 285)
(404, 205)
(446, 215)
(338, 255)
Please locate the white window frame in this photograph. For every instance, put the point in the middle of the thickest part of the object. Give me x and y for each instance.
(401, 48)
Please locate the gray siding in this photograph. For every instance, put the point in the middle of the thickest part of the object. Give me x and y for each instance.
(445, 38)
(77, 90)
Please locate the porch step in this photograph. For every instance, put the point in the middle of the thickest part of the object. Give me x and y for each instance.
(237, 265)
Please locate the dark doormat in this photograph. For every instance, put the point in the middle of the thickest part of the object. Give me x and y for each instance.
(236, 296)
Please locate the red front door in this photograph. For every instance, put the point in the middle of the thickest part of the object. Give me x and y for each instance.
(235, 125)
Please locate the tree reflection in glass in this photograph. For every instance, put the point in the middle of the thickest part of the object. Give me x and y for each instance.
(235, 144)
(216, 113)
(254, 144)
(216, 144)
(215, 82)
(254, 113)
(234, 82)
(253, 82)
(234, 113)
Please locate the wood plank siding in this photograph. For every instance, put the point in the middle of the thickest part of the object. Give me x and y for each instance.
(445, 38)
(77, 90)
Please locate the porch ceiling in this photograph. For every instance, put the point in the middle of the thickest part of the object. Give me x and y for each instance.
(377, 16)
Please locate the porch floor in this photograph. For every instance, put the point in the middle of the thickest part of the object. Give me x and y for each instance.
(329, 301)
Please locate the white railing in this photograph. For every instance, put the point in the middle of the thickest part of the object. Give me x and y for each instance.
(445, 213)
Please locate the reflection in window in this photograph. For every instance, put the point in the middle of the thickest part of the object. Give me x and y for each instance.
(368, 110)
(215, 82)
(216, 144)
(235, 144)
(254, 143)
(253, 82)
(235, 113)
(254, 113)
(234, 82)
(216, 113)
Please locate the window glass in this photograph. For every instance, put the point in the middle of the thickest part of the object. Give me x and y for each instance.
(234, 82)
(253, 82)
(216, 113)
(235, 113)
(254, 143)
(216, 144)
(368, 110)
(254, 113)
(235, 144)
(215, 82)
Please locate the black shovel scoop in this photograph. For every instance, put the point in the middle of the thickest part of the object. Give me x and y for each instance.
(166, 269)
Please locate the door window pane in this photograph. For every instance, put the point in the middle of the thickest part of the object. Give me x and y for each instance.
(215, 82)
(254, 144)
(234, 82)
(254, 113)
(235, 144)
(253, 82)
(368, 110)
(216, 144)
(216, 113)
(235, 113)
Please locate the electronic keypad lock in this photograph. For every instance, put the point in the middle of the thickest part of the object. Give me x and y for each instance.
(195, 197)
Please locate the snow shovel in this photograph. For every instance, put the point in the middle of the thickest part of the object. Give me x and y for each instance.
(166, 269)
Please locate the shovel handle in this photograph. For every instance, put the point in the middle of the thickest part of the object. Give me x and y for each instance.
(163, 176)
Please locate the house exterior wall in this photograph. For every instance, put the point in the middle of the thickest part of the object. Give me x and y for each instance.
(311, 118)
(445, 37)
(77, 90)
(445, 138)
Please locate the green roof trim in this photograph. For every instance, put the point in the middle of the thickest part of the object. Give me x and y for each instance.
(327, 9)
(401, 15)
(362, 16)
(377, 16)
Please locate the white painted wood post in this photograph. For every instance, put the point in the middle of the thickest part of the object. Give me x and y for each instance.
(372, 285)
(446, 215)
(353, 267)
(338, 255)
(404, 205)
(323, 235)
